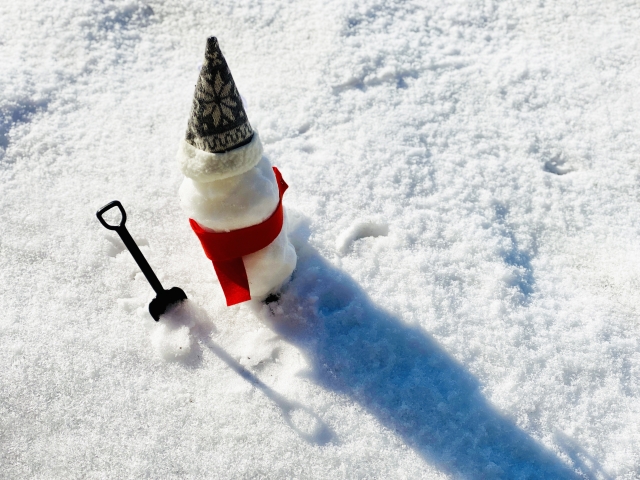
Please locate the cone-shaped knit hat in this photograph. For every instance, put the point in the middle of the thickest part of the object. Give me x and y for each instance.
(218, 122)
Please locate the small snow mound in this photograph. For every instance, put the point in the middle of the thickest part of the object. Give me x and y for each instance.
(190, 314)
(173, 336)
(259, 349)
(360, 230)
(172, 343)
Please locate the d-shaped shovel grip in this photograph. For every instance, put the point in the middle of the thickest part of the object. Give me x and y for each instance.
(107, 207)
(130, 244)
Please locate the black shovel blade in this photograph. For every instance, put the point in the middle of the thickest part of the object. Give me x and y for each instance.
(164, 301)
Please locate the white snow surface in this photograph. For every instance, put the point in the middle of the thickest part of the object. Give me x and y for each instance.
(491, 333)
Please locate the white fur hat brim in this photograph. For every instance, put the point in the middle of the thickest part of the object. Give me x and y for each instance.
(204, 166)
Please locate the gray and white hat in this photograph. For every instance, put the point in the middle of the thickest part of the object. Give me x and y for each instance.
(220, 142)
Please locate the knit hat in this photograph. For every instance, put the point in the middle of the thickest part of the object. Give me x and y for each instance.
(220, 142)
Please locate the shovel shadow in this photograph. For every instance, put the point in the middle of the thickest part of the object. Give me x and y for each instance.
(301, 419)
(318, 434)
(403, 377)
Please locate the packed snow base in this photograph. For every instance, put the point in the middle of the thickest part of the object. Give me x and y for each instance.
(463, 201)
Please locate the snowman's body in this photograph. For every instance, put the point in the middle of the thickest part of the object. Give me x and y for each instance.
(240, 191)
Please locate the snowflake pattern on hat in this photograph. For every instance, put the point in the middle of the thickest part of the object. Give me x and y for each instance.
(218, 122)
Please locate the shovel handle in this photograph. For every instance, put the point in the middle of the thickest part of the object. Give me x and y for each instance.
(130, 244)
(107, 207)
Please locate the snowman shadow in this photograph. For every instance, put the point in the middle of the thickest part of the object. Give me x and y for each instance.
(188, 315)
(401, 375)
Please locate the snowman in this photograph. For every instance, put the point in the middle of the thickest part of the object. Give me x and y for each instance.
(231, 193)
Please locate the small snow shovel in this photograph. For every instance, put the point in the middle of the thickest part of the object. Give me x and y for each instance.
(164, 298)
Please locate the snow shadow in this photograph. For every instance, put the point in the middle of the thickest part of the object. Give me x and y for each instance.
(402, 376)
(17, 112)
(302, 420)
(186, 329)
(518, 258)
(584, 462)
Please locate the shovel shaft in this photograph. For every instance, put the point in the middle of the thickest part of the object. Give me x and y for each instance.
(139, 258)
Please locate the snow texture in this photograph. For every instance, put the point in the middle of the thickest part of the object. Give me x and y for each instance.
(492, 332)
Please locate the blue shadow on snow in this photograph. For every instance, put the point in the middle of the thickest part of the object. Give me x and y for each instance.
(403, 377)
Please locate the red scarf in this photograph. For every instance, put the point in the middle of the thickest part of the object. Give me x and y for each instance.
(226, 249)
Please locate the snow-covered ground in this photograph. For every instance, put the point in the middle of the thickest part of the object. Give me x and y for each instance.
(464, 203)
